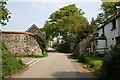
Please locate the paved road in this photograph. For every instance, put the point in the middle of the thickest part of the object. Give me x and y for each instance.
(56, 65)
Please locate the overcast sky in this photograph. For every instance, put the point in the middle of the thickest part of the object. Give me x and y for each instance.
(25, 13)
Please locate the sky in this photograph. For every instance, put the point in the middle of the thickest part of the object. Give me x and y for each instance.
(24, 13)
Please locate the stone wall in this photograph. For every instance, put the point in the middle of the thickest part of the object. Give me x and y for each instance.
(21, 43)
(80, 48)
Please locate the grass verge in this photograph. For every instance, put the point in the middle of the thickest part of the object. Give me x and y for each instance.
(32, 55)
(89, 62)
(10, 63)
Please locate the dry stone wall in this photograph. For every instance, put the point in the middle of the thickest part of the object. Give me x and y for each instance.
(21, 43)
(80, 48)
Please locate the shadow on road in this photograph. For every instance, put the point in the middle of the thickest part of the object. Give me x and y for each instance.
(73, 76)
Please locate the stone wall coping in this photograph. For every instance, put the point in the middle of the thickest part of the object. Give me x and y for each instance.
(16, 32)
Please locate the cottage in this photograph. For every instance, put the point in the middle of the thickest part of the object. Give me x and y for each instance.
(109, 33)
(35, 30)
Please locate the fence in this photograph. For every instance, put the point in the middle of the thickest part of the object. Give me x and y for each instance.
(99, 50)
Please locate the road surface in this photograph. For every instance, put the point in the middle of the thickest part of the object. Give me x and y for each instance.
(56, 65)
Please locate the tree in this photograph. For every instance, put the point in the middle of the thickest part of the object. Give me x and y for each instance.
(4, 13)
(69, 23)
(93, 26)
(109, 10)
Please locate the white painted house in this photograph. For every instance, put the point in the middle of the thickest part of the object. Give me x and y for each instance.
(109, 33)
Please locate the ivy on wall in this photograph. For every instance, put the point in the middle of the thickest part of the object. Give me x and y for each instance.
(42, 42)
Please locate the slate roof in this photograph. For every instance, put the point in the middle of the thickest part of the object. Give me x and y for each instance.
(111, 19)
(33, 26)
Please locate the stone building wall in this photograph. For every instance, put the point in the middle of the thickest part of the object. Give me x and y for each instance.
(21, 43)
(35, 30)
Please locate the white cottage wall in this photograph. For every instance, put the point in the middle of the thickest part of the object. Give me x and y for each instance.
(110, 35)
(100, 43)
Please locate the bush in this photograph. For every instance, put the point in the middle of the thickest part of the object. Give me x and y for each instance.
(82, 58)
(86, 58)
(73, 56)
(91, 63)
(110, 69)
(55, 45)
(64, 48)
(42, 43)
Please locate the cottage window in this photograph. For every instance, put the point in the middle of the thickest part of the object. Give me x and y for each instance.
(113, 25)
(118, 40)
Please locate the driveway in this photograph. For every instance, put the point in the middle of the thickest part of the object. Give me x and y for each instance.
(56, 65)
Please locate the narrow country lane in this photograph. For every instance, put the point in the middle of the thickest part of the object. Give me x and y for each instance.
(56, 65)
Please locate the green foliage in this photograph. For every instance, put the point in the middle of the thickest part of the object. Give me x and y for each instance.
(63, 12)
(109, 10)
(42, 42)
(93, 26)
(69, 23)
(91, 63)
(111, 65)
(82, 58)
(45, 54)
(4, 13)
(64, 48)
(73, 56)
(28, 55)
(10, 64)
(32, 55)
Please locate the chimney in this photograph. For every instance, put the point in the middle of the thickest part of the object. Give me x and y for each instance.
(118, 9)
